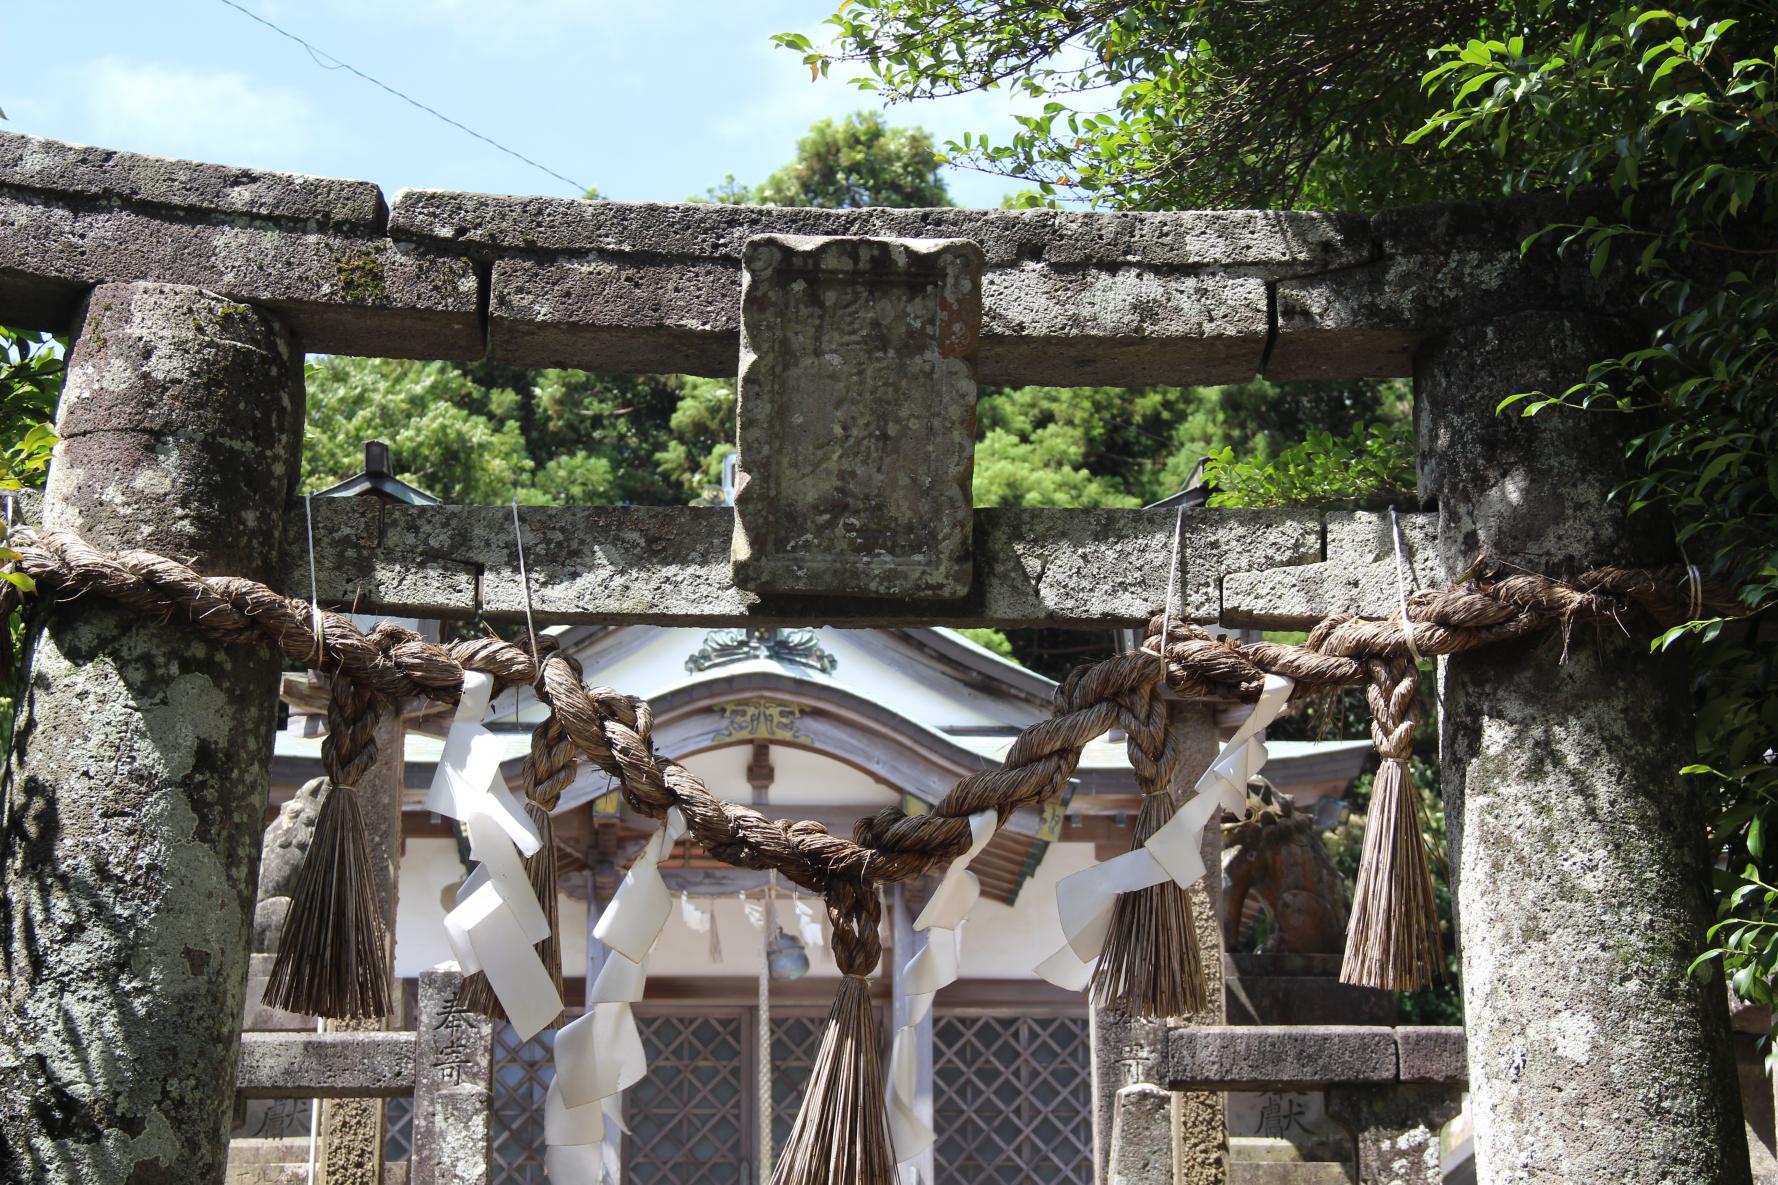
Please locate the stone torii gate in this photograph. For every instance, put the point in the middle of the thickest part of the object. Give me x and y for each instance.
(137, 786)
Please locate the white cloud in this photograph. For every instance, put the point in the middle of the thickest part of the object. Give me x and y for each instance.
(218, 115)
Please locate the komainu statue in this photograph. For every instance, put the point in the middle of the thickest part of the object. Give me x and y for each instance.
(1281, 891)
(281, 857)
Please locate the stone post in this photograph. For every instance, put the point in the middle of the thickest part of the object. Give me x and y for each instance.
(137, 789)
(352, 1129)
(1579, 853)
(453, 1085)
(1128, 1052)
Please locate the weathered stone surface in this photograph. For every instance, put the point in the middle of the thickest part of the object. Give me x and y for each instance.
(281, 855)
(1267, 1057)
(341, 291)
(453, 1086)
(1031, 563)
(1144, 1136)
(856, 416)
(1432, 1053)
(326, 1065)
(1436, 268)
(1396, 1129)
(1119, 323)
(1289, 1173)
(1264, 243)
(59, 170)
(1130, 325)
(1359, 575)
(1068, 297)
(138, 789)
(1578, 854)
(670, 565)
(257, 1015)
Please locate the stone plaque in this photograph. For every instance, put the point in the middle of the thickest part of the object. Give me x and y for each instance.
(857, 416)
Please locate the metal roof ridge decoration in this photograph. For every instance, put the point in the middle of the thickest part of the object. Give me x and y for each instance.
(789, 647)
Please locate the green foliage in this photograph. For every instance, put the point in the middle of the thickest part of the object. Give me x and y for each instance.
(474, 434)
(30, 381)
(991, 640)
(422, 410)
(1369, 468)
(860, 161)
(1160, 105)
(1115, 446)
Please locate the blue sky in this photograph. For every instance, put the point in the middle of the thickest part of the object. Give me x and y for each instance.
(645, 99)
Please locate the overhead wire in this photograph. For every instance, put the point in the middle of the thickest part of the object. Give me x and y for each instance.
(316, 53)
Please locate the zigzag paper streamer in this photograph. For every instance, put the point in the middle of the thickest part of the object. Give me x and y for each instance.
(497, 919)
(599, 1055)
(933, 967)
(1085, 900)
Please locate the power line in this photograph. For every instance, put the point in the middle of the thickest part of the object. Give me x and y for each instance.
(316, 54)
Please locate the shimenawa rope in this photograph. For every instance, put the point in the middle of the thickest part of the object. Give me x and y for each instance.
(840, 1134)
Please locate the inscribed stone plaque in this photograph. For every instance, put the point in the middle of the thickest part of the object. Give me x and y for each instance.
(857, 415)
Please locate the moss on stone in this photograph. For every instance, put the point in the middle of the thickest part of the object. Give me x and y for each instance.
(360, 277)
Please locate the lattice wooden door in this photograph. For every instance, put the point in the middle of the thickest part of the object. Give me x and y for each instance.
(522, 1074)
(689, 1117)
(1012, 1100)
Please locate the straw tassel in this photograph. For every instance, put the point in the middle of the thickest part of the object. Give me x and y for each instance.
(1393, 941)
(1151, 966)
(841, 1134)
(330, 956)
(540, 868)
(333, 953)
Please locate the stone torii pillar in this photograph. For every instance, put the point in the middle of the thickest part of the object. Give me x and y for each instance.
(1578, 852)
(137, 793)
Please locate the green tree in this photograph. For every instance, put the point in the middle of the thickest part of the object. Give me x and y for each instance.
(1162, 105)
(859, 161)
(425, 411)
(484, 434)
(1116, 446)
(30, 381)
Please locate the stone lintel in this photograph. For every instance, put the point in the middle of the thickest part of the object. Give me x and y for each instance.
(131, 180)
(670, 565)
(1432, 1053)
(1068, 326)
(325, 1065)
(1267, 243)
(856, 416)
(340, 291)
(1359, 576)
(1070, 297)
(1278, 1057)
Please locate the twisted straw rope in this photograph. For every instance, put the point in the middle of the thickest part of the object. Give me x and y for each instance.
(613, 730)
